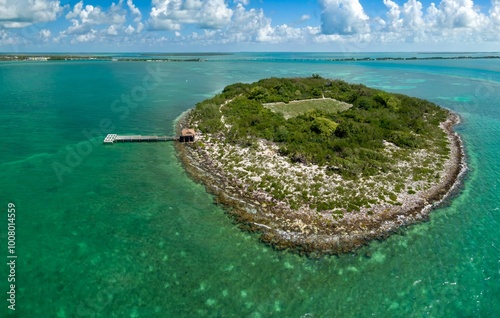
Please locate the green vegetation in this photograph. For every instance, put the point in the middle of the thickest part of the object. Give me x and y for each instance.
(296, 108)
(348, 140)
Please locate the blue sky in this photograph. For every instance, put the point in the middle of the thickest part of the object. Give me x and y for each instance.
(249, 25)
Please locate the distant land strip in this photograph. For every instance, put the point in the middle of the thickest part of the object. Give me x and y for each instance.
(163, 58)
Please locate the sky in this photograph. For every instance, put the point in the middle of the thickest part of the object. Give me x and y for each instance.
(249, 25)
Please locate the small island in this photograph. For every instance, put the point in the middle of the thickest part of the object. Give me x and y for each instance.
(321, 166)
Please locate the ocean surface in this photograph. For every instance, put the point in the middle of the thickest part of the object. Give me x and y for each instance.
(121, 231)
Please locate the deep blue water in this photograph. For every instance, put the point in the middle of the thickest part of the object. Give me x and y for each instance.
(121, 231)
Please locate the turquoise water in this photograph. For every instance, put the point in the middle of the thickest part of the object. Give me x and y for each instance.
(121, 231)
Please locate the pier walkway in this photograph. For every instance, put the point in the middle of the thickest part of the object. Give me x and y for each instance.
(112, 138)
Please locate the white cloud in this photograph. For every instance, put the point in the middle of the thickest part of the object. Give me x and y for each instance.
(77, 9)
(87, 37)
(172, 14)
(93, 15)
(116, 14)
(129, 29)
(89, 22)
(136, 13)
(78, 28)
(134, 10)
(253, 25)
(44, 35)
(21, 13)
(413, 16)
(15, 25)
(214, 14)
(162, 15)
(7, 39)
(343, 24)
(246, 24)
(344, 17)
(495, 12)
(394, 21)
(140, 27)
(112, 30)
(451, 21)
(243, 2)
(304, 18)
(459, 14)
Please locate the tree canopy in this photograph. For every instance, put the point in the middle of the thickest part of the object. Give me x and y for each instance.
(349, 142)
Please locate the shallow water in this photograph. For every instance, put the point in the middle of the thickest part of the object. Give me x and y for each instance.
(121, 231)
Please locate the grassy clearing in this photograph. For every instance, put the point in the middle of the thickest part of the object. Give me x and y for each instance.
(296, 108)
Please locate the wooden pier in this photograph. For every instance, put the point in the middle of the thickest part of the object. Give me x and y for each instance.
(187, 135)
(112, 138)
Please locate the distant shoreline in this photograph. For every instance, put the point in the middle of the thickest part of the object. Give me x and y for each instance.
(198, 57)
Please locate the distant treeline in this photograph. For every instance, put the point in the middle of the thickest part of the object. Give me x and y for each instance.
(416, 58)
(349, 142)
(172, 57)
(22, 57)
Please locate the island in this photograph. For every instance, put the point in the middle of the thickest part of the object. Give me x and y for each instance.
(320, 166)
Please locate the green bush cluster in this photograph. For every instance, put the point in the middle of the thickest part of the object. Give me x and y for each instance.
(348, 142)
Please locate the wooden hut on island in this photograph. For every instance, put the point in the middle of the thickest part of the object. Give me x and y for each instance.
(187, 135)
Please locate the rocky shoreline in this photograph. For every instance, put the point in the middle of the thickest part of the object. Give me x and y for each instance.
(304, 230)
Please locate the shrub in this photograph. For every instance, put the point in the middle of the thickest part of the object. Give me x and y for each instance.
(348, 142)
